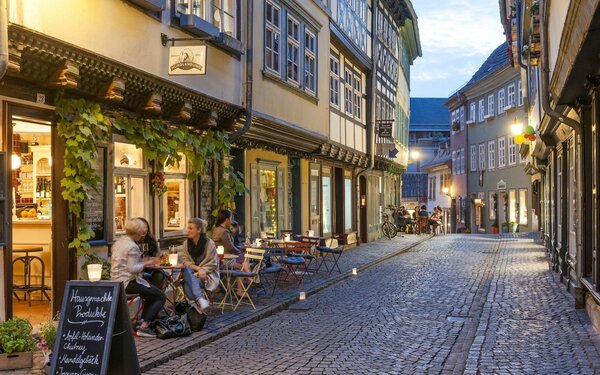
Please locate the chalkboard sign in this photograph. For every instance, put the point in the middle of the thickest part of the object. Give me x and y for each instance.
(93, 211)
(94, 333)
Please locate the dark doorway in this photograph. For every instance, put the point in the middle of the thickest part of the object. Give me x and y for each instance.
(296, 182)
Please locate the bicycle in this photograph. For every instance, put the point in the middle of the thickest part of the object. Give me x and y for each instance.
(388, 228)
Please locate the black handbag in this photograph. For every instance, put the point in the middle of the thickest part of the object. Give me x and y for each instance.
(173, 326)
(195, 319)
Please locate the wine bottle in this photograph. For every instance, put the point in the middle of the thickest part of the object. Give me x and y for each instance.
(119, 187)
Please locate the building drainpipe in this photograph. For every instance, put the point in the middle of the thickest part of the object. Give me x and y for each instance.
(249, 65)
(575, 126)
(3, 37)
(371, 133)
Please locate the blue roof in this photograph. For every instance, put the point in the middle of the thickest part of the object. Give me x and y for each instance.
(498, 59)
(429, 114)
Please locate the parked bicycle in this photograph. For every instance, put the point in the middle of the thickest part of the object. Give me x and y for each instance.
(388, 228)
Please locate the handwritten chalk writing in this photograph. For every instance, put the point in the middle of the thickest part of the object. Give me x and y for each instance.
(80, 360)
(105, 298)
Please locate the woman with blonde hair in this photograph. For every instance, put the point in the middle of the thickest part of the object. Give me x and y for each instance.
(199, 255)
(127, 266)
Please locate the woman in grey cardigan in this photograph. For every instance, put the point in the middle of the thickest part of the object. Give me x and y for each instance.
(127, 266)
(199, 255)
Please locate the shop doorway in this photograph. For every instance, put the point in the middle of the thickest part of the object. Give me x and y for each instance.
(362, 181)
(29, 188)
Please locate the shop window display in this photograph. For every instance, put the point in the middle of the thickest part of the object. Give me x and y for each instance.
(268, 201)
(175, 199)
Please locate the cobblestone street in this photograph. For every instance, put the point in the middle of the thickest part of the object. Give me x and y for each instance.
(454, 304)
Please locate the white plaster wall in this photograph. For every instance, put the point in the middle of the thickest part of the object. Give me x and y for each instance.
(274, 98)
(117, 30)
(556, 23)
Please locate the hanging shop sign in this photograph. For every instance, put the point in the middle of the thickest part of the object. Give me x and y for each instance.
(187, 60)
(385, 129)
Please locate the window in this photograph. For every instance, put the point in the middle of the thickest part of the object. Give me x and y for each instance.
(334, 81)
(462, 160)
(272, 36)
(491, 154)
(454, 163)
(348, 91)
(175, 204)
(348, 204)
(357, 83)
(512, 151)
(473, 158)
(472, 116)
(293, 48)
(327, 203)
(520, 93)
(462, 118)
(490, 105)
(315, 211)
(310, 55)
(131, 192)
(523, 206)
(492, 205)
(481, 110)
(512, 205)
(221, 13)
(501, 152)
(511, 95)
(482, 157)
(501, 101)
(223, 16)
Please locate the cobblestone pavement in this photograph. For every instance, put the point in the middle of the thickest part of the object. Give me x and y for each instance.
(454, 304)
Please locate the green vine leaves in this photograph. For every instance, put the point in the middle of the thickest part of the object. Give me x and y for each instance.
(83, 126)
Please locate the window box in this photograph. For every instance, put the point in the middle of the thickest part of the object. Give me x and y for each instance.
(509, 108)
(198, 26)
(151, 5)
(230, 44)
(488, 117)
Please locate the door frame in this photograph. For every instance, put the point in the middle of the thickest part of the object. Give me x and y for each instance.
(11, 109)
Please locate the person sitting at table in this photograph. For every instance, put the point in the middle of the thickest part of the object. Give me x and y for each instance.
(127, 266)
(222, 237)
(199, 256)
(149, 247)
(236, 234)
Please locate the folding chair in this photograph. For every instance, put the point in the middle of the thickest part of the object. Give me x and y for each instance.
(297, 259)
(252, 256)
(135, 305)
(332, 254)
(271, 268)
(422, 225)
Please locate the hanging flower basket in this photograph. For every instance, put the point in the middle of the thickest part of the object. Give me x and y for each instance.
(456, 126)
(157, 183)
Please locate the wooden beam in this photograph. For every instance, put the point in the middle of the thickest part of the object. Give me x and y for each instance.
(66, 76)
(183, 111)
(153, 104)
(115, 90)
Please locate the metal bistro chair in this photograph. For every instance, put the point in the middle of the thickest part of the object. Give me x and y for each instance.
(252, 256)
(297, 259)
(422, 225)
(329, 254)
(271, 268)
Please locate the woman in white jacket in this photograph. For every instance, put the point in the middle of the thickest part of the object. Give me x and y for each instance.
(127, 266)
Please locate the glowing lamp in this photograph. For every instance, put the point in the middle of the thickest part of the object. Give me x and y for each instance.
(173, 258)
(302, 296)
(15, 161)
(311, 233)
(516, 128)
(354, 271)
(94, 272)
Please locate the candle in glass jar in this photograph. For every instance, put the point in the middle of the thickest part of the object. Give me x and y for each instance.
(94, 272)
(220, 250)
(173, 258)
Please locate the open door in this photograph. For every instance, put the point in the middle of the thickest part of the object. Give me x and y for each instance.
(363, 208)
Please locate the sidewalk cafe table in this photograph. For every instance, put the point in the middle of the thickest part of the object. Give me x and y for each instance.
(171, 282)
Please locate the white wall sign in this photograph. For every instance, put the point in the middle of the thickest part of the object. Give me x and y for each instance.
(187, 60)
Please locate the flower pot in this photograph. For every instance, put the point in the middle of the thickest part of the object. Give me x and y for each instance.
(494, 230)
(16, 361)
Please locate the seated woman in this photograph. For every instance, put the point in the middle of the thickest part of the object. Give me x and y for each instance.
(222, 237)
(149, 247)
(127, 266)
(199, 255)
(435, 219)
(236, 234)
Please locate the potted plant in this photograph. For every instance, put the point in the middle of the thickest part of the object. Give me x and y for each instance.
(535, 8)
(46, 339)
(495, 227)
(16, 344)
(513, 227)
(456, 125)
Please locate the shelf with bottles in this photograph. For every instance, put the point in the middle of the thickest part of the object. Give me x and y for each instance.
(43, 188)
(120, 186)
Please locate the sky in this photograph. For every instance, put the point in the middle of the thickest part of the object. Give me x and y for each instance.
(456, 38)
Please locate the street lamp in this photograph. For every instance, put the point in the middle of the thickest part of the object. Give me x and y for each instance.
(516, 127)
(445, 190)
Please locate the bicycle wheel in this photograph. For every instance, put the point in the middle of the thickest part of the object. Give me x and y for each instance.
(393, 230)
(386, 230)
